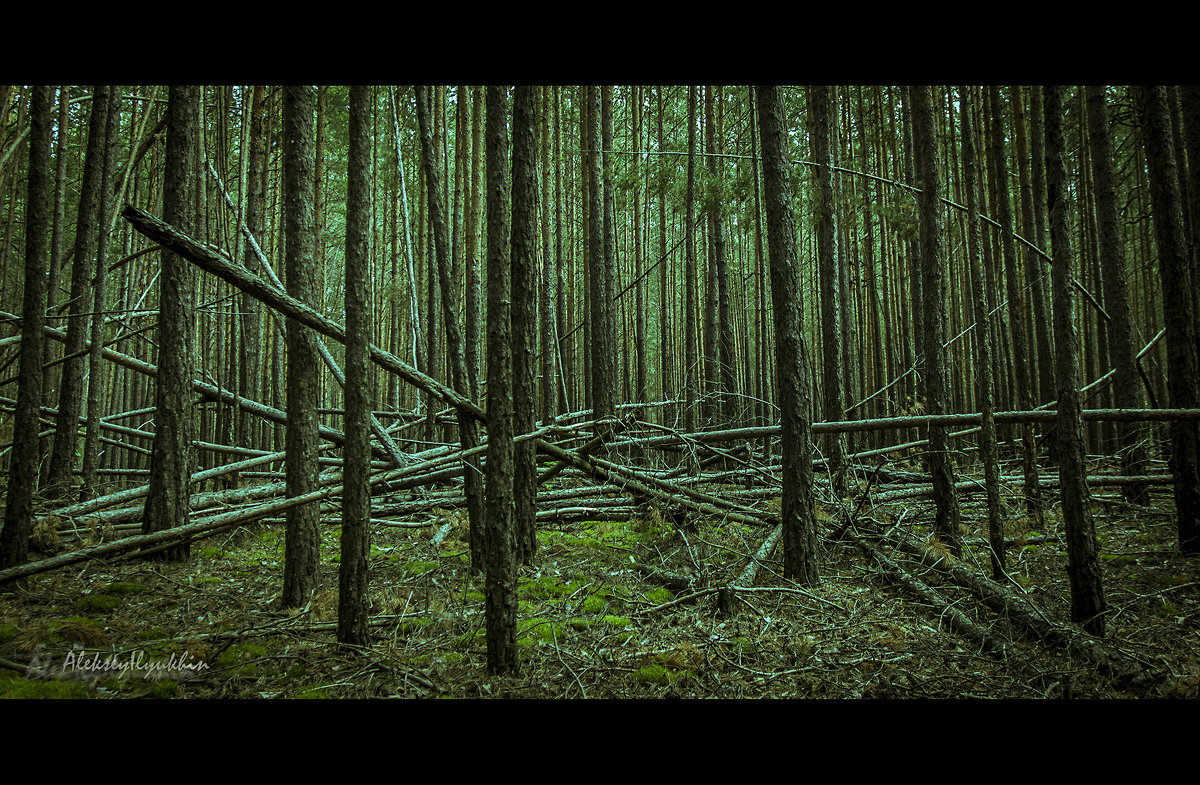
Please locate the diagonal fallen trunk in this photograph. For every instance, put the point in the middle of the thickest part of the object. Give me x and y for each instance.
(213, 261)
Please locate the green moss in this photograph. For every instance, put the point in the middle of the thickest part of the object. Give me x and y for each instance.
(212, 554)
(419, 567)
(121, 588)
(8, 632)
(660, 595)
(100, 603)
(18, 688)
(164, 688)
(242, 654)
(549, 587)
(531, 632)
(474, 597)
(312, 693)
(1118, 558)
(595, 603)
(661, 675)
(654, 674)
(617, 622)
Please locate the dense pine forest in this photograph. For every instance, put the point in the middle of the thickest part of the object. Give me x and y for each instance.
(600, 391)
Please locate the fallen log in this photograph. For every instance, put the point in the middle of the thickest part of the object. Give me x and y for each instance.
(1023, 613)
(212, 260)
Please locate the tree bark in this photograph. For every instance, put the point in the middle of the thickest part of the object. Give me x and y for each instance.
(500, 607)
(22, 478)
(833, 399)
(1087, 591)
(1183, 379)
(301, 550)
(71, 390)
(174, 423)
(1016, 321)
(468, 429)
(523, 281)
(795, 403)
(941, 467)
(353, 576)
(1126, 385)
(988, 452)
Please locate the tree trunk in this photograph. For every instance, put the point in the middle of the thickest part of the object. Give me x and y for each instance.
(690, 359)
(988, 452)
(941, 467)
(302, 544)
(353, 578)
(1016, 321)
(833, 399)
(500, 607)
(22, 477)
(97, 371)
(71, 390)
(1183, 381)
(1087, 591)
(795, 403)
(1116, 298)
(468, 428)
(174, 423)
(524, 315)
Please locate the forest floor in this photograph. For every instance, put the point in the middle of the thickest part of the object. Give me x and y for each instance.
(596, 619)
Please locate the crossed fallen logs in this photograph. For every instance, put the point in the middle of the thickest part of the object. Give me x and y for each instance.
(445, 463)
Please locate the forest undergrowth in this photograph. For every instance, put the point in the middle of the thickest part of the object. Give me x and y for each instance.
(645, 604)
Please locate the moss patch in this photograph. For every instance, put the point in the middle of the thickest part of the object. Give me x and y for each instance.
(18, 688)
(123, 588)
(99, 603)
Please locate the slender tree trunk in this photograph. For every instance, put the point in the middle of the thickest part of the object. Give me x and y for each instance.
(50, 373)
(71, 388)
(302, 544)
(174, 422)
(1183, 380)
(941, 467)
(353, 577)
(607, 338)
(833, 399)
(468, 428)
(22, 477)
(500, 607)
(97, 371)
(801, 560)
(988, 453)
(548, 387)
(248, 428)
(1116, 298)
(1021, 355)
(1087, 591)
(524, 315)
(668, 387)
(690, 359)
